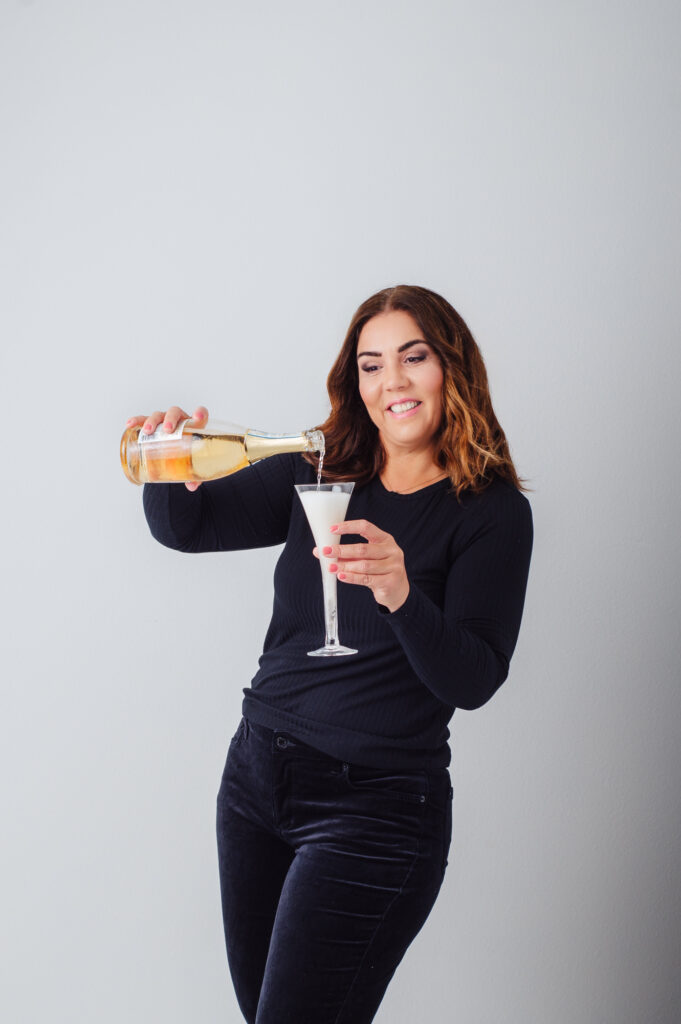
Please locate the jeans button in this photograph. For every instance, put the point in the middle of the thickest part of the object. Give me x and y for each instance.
(282, 742)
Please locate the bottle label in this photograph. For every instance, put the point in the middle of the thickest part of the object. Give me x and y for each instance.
(162, 435)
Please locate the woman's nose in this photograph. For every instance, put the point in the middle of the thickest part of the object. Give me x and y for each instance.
(396, 378)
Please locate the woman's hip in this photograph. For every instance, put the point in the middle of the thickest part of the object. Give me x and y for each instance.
(306, 797)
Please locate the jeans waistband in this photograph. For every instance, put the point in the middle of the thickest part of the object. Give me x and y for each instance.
(282, 739)
(279, 741)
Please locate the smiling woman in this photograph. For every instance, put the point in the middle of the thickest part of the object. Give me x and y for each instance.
(334, 814)
(400, 383)
(396, 341)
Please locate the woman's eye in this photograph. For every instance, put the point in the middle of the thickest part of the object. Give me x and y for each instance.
(416, 357)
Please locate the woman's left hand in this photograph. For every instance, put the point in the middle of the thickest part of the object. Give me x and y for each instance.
(378, 564)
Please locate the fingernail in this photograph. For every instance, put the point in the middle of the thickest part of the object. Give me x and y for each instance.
(167, 426)
(327, 551)
(333, 567)
(334, 529)
(129, 422)
(147, 428)
(341, 575)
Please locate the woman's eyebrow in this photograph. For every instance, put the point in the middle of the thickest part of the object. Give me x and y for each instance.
(407, 344)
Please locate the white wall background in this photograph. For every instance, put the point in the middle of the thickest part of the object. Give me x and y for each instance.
(194, 198)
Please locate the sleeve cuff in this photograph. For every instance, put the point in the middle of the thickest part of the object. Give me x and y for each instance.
(405, 611)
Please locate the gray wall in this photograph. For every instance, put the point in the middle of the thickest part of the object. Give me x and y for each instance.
(195, 198)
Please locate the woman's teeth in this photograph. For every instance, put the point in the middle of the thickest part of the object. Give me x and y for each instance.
(404, 406)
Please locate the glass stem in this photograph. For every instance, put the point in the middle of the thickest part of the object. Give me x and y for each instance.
(330, 604)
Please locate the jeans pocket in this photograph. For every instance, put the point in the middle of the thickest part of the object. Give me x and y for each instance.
(411, 787)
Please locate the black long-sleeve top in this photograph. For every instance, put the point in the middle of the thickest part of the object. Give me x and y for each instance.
(449, 646)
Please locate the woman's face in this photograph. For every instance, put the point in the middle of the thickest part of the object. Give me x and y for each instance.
(400, 381)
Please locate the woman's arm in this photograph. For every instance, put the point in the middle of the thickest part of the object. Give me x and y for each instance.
(249, 509)
(462, 651)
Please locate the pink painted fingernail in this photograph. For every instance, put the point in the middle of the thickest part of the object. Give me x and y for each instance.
(167, 426)
(332, 567)
(341, 576)
(147, 428)
(327, 551)
(334, 529)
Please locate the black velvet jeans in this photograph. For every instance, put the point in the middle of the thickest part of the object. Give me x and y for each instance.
(328, 871)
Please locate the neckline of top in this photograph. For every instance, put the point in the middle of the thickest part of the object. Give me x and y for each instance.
(397, 496)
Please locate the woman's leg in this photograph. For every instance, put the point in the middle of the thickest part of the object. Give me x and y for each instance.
(370, 852)
(253, 863)
(339, 937)
(328, 871)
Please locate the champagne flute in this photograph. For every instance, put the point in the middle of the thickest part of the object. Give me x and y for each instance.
(326, 505)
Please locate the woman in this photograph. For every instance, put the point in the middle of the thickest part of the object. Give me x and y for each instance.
(334, 812)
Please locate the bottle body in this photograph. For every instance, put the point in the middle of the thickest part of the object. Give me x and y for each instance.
(204, 453)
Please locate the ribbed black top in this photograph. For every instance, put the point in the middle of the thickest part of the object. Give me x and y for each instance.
(448, 646)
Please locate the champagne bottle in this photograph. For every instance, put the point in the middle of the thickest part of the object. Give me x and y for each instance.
(204, 453)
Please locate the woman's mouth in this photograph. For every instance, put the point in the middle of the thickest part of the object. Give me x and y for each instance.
(402, 409)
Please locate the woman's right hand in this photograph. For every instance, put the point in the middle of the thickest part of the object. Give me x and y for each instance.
(170, 419)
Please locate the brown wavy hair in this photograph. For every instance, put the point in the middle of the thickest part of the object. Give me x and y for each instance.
(470, 444)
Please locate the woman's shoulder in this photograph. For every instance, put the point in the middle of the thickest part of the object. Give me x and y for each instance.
(287, 464)
(276, 475)
(496, 520)
(499, 493)
(499, 506)
(303, 471)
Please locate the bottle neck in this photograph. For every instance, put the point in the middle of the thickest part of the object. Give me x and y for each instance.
(261, 446)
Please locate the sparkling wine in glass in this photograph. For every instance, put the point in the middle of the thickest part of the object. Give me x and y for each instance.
(325, 505)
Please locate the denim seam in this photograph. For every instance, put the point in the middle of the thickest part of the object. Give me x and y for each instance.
(275, 817)
(376, 931)
(449, 816)
(383, 917)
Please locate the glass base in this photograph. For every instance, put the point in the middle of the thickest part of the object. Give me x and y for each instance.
(331, 651)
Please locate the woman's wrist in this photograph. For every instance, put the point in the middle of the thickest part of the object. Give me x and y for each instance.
(398, 600)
